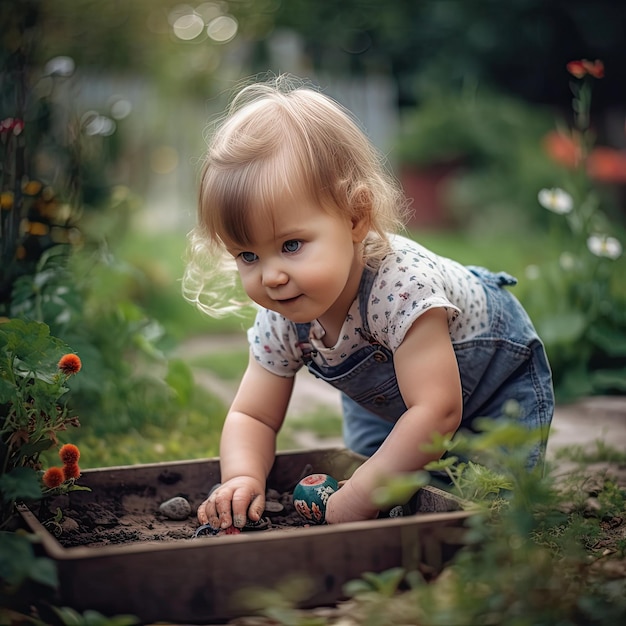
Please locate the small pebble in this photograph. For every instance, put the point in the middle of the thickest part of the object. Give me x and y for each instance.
(272, 506)
(262, 524)
(397, 511)
(69, 525)
(176, 508)
(272, 494)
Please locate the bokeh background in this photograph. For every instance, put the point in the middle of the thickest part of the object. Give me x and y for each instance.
(105, 108)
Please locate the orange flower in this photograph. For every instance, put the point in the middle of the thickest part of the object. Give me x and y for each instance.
(576, 68)
(607, 165)
(53, 477)
(595, 68)
(69, 454)
(70, 364)
(71, 470)
(563, 149)
(583, 67)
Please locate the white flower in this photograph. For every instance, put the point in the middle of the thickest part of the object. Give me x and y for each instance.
(603, 245)
(567, 261)
(532, 272)
(555, 200)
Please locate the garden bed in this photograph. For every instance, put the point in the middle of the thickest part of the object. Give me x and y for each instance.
(119, 554)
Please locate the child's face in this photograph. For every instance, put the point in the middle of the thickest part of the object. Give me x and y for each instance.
(304, 263)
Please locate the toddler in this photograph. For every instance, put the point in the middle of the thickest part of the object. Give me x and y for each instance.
(293, 192)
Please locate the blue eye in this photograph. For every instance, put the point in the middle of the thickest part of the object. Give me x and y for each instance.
(293, 245)
(248, 257)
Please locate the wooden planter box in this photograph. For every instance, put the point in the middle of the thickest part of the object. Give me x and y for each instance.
(194, 581)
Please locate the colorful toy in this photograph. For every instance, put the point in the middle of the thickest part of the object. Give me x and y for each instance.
(311, 495)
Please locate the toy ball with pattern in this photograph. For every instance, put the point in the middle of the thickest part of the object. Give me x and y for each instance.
(311, 496)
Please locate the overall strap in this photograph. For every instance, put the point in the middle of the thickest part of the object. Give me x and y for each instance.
(304, 331)
(367, 280)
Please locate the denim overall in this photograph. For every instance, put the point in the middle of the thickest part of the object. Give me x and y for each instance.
(506, 362)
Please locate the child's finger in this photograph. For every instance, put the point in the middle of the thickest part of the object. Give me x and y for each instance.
(223, 509)
(202, 513)
(256, 508)
(240, 503)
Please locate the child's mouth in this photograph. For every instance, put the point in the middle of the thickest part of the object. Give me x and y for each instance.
(288, 300)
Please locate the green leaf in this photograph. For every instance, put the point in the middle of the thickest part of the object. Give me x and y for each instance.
(16, 557)
(33, 345)
(71, 617)
(386, 583)
(18, 561)
(76, 487)
(503, 433)
(21, 483)
(399, 489)
(44, 571)
(7, 391)
(441, 464)
(31, 449)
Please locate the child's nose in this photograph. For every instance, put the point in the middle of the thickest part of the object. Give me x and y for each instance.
(273, 276)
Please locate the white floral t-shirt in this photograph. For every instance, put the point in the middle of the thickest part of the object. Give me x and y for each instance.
(409, 281)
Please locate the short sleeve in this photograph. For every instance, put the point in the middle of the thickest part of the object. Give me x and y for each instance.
(274, 343)
(407, 285)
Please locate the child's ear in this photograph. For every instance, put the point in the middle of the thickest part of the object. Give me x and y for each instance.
(360, 227)
(361, 214)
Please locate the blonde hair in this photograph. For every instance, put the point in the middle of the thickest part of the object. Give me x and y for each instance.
(277, 135)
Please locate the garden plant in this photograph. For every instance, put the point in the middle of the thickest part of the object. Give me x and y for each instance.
(541, 549)
(577, 299)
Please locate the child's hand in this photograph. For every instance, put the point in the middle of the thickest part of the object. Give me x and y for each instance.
(233, 502)
(349, 505)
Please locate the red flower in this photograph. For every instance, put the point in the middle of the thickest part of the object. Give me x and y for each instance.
(53, 477)
(71, 470)
(11, 124)
(583, 67)
(70, 364)
(69, 454)
(595, 68)
(576, 68)
(607, 165)
(563, 148)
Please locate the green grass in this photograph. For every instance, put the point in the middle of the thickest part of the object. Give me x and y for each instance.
(228, 366)
(193, 434)
(323, 423)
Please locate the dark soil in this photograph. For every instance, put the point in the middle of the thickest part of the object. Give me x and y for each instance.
(130, 516)
(128, 512)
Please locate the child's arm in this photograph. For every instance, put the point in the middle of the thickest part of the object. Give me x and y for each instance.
(429, 381)
(247, 448)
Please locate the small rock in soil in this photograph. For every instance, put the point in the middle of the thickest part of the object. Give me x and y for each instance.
(397, 511)
(261, 524)
(69, 525)
(177, 508)
(273, 506)
(273, 494)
